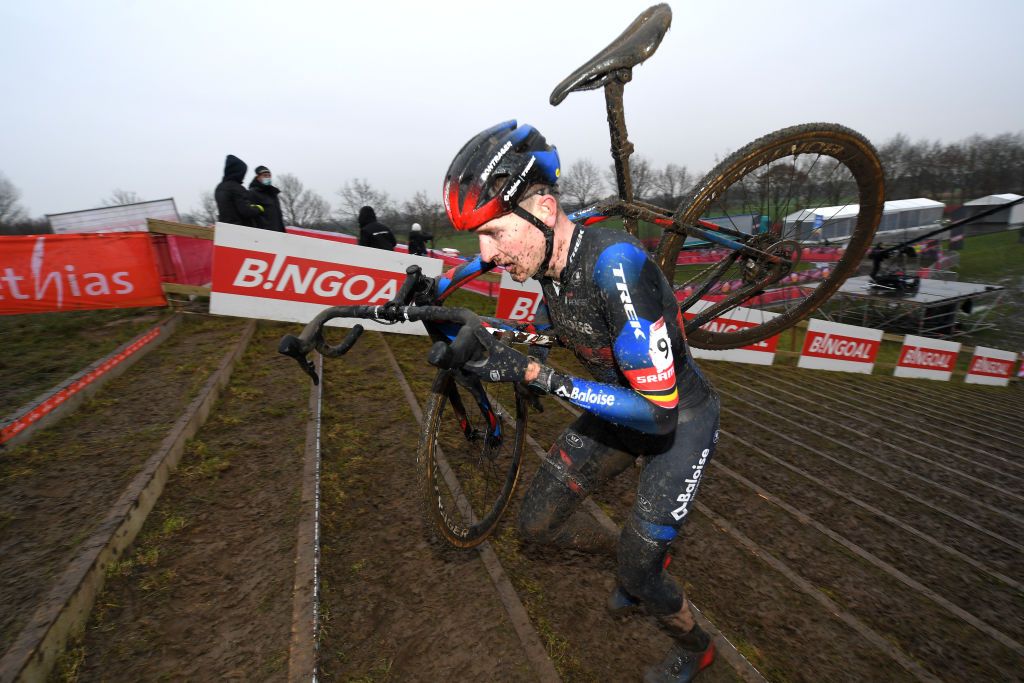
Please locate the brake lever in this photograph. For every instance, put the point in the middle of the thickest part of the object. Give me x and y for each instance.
(292, 346)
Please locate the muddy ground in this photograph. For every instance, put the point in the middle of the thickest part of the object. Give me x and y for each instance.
(206, 594)
(55, 488)
(44, 349)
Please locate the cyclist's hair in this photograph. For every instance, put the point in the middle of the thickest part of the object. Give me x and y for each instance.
(492, 173)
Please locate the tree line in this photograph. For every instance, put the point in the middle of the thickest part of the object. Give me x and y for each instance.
(953, 173)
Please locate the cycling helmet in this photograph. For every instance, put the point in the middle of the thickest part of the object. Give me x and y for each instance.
(416, 227)
(492, 171)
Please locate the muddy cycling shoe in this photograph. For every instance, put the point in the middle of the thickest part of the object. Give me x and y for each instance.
(681, 665)
(620, 603)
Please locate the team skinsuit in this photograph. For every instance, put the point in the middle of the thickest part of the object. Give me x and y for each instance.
(617, 312)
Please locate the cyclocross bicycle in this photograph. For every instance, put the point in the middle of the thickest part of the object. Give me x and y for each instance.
(737, 240)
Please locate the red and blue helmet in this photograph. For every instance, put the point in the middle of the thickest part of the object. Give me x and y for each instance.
(491, 172)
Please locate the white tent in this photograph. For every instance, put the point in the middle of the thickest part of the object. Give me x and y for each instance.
(835, 223)
(1011, 217)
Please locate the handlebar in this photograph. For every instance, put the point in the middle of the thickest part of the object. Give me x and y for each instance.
(441, 355)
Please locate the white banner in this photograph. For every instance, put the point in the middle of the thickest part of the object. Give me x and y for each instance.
(927, 358)
(991, 366)
(279, 276)
(835, 346)
(123, 218)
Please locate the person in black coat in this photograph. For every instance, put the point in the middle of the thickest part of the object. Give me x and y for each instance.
(418, 240)
(235, 204)
(372, 233)
(266, 195)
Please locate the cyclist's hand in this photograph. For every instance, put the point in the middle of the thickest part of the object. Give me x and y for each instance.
(502, 363)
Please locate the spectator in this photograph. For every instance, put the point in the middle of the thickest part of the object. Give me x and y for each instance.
(372, 233)
(266, 195)
(235, 204)
(418, 240)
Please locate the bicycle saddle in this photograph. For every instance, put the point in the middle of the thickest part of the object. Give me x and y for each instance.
(637, 43)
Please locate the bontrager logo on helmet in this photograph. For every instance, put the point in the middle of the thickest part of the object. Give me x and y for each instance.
(491, 171)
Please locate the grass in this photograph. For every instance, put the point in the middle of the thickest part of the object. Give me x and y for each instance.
(991, 257)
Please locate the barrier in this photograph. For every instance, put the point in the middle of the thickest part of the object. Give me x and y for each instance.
(991, 366)
(68, 395)
(835, 346)
(927, 358)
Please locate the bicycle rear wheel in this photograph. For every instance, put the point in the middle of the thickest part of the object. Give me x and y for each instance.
(470, 473)
(796, 193)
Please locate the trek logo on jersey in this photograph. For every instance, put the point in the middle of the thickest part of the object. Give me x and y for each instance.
(576, 247)
(691, 486)
(627, 301)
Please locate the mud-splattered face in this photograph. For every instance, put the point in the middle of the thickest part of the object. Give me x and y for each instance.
(512, 243)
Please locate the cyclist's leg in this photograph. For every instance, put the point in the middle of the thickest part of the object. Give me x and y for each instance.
(579, 461)
(665, 497)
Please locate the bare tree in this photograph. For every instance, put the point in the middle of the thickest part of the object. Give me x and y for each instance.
(582, 183)
(670, 184)
(421, 210)
(206, 214)
(120, 197)
(10, 211)
(299, 206)
(641, 172)
(358, 193)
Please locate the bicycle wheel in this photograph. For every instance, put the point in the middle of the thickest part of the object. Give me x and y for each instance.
(470, 473)
(796, 193)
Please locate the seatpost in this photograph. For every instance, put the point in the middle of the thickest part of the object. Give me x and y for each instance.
(622, 148)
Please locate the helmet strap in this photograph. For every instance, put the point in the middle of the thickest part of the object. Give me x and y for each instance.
(549, 238)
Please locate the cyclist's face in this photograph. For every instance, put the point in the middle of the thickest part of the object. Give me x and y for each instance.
(512, 243)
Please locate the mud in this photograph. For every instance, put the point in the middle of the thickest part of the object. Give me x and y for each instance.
(206, 593)
(55, 488)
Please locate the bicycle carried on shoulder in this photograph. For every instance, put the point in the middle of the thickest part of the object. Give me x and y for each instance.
(737, 240)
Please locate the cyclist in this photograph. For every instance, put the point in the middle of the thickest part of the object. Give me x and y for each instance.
(614, 308)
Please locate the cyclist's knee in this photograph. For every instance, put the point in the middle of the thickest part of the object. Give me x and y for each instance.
(547, 505)
(643, 549)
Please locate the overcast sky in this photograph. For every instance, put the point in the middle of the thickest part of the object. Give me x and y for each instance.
(150, 96)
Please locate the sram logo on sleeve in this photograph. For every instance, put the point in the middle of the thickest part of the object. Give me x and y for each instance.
(661, 374)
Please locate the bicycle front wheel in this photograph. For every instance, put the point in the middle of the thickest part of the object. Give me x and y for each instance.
(811, 194)
(471, 451)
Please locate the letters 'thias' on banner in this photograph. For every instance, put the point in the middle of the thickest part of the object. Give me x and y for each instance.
(45, 273)
(292, 277)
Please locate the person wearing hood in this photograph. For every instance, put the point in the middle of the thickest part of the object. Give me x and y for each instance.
(372, 233)
(235, 204)
(418, 240)
(266, 195)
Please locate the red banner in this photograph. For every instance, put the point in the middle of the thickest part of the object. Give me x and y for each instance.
(40, 273)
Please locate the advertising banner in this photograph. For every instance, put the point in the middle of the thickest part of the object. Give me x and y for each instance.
(927, 358)
(835, 346)
(518, 300)
(280, 276)
(761, 353)
(991, 366)
(41, 273)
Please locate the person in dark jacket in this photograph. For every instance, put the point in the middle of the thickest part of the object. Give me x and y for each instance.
(235, 204)
(418, 240)
(266, 195)
(372, 233)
